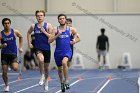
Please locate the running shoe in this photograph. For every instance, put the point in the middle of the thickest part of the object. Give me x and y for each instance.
(67, 85)
(46, 85)
(62, 87)
(6, 88)
(41, 81)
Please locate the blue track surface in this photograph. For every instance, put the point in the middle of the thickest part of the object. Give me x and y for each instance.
(82, 81)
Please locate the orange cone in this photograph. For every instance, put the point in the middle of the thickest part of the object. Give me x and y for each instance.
(79, 77)
(110, 78)
(49, 78)
(18, 77)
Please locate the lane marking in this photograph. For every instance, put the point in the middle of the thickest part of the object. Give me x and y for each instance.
(26, 88)
(71, 78)
(11, 73)
(107, 82)
(70, 85)
(38, 85)
(98, 86)
(9, 83)
(18, 81)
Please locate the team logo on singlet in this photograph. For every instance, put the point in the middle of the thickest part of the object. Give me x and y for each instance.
(8, 39)
(38, 32)
(63, 36)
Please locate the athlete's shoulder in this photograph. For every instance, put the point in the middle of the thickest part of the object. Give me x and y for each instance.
(33, 25)
(49, 25)
(0, 34)
(15, 30)
(56, 28)
(100, 36)
(73, 28)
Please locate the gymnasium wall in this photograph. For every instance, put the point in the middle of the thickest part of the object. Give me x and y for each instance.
(120, 18)
(66, 6)
(122, 30)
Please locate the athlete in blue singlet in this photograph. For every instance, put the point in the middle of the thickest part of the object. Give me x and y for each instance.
(42, 32)
(69, 23)
(9, 49)
(63, 48)
(63, 51)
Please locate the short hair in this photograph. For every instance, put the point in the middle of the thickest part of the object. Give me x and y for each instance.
(42, 11)
(62, 15)
(5, 19)
(102, 30)
(69, 20)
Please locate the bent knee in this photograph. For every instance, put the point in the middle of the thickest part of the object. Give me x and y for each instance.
(15, 68)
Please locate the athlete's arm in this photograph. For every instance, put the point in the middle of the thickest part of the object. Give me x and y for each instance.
(29, 36)
(107, 44)
(49, 30)
(2, 45)
(54, 35)
(97, 43)
(18, 34)
(75, 34)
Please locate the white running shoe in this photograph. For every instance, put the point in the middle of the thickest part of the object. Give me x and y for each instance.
(6, 88)
(46, 85)
(41, 81)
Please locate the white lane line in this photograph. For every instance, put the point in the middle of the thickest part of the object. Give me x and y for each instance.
(98, 86)
(107, 82)
(70, 85)
(18, 80)
(26, 88)
(11, 73)
(9, 82)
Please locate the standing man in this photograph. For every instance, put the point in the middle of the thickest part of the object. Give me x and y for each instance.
(102, 46)
(69, 23)
(63, 50)
(9, 49)
(42, 32)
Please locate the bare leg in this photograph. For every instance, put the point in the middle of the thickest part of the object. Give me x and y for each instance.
(40, 58)
(5, 71)
(4, 74)
(36, 60)
(65, 68)
(98, 58)
(69, 64)
(46, 70)
(60, 73)
(65, 71)
(99, 61)
(104, 60)
(5, 77)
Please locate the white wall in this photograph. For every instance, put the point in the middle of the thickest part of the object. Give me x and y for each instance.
(22, 6)
(128, 5)
(122, 30)
(123, 26)
(94, 6)
(66, 6)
